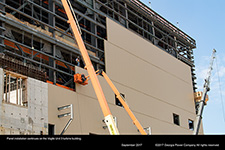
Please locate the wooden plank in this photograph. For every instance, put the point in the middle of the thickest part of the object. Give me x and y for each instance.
(17, 91)
(17, 75)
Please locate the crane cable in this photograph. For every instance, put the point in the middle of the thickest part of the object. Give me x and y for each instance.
(75, 18)
(221, 95)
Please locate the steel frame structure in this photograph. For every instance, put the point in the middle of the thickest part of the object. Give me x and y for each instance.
(36, 32)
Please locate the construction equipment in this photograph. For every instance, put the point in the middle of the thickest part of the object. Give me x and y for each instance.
(204, 96)
(122, 101)
(66, 114)
(119, 96)
(90, 69)
(198, 97)
(80, 78)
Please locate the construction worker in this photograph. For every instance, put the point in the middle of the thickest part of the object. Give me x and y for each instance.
(78, 61)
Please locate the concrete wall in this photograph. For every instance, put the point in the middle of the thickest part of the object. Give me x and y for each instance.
(16, 119)
(155, 85)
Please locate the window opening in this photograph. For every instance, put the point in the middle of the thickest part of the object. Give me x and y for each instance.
(117, 101)
(15, 88)
(51, 129)
(176, 119)
(191, 124)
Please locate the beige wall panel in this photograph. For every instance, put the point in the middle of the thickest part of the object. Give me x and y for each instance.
(145, 50)
(57, 97)
(155, 83)
(91, 116)
(161, 127)
(144, 104)
(139, 75)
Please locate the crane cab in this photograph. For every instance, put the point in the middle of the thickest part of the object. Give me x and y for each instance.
(198, 96)
(80, 78)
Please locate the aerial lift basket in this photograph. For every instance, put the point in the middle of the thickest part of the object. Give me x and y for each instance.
(198, 96)
(81, 79)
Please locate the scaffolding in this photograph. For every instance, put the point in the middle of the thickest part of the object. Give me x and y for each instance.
(36, 32)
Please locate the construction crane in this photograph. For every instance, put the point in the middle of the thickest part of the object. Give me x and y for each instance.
(204, 96)
(81, 79)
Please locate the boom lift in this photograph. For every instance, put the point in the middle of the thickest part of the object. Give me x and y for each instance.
(81, 79)
(95, 82)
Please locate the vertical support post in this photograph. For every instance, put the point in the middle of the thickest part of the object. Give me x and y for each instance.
(20, 99)
(126, 15)
(9, 88)
(95, 30)
(2, 7)
(54, 63)
(50, 22)
(17, 102)
(6, 87)
(153, 32)
(50, 16)
(175, 45)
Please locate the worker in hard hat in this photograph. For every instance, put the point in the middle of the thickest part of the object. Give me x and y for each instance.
(78, 61)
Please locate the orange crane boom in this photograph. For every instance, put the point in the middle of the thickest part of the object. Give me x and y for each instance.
(90, 69)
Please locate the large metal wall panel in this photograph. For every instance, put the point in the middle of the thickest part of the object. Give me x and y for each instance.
(155, 84)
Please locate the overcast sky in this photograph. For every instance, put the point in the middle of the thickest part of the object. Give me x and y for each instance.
(203, 20)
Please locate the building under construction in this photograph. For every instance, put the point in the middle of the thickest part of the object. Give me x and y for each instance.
(148, 59)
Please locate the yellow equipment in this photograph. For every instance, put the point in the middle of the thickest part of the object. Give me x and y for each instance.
(198, 96)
